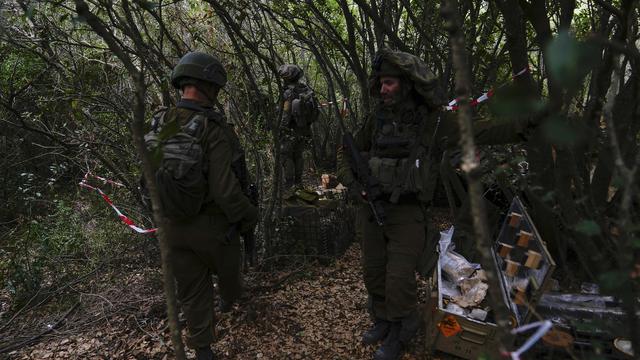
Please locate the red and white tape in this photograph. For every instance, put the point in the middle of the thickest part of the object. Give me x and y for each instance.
(105, 181)
(453, 104)
(124, 218)
(327, 103)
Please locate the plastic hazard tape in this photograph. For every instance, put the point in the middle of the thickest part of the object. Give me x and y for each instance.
(106, 181)
(542, 328)
(453, 104)
(327, 103)
(124, 218)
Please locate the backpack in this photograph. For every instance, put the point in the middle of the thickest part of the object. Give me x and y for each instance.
(304, 108)
(179, 163)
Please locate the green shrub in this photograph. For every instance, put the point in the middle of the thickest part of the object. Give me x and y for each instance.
(49, 251)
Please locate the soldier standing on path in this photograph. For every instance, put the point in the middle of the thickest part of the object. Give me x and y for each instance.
(403, 139)
(206, 240)
(300, 110)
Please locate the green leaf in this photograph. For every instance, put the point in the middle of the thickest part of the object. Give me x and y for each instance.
(588, 227)
(617, 181)
(613, 281)
(78, 20)
(156, 156)
(570, 60)
(511, 101)
(168, 130)
(561, 132)
(29, 12)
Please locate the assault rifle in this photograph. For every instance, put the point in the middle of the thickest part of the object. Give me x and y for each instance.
(371, 186)
(249, 237)
(239, 167)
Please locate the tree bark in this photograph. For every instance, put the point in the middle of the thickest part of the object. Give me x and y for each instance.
(516, 41)
(471, 168)
(137, 126)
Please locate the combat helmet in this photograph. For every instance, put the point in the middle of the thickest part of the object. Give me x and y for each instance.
(401, 64)
(290, 72)
(200, 66)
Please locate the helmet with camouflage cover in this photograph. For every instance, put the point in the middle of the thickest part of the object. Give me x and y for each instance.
(404, 65)
(200, 66)
(290, 72)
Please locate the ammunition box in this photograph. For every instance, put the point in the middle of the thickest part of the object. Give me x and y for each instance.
(524, 267)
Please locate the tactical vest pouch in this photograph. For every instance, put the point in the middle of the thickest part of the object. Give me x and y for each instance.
(415, 173)
(386, 171)
(180, 171)
(399, 174)
(413, 178)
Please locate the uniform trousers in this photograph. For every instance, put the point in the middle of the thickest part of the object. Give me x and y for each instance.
(390, 257)
(200, 248)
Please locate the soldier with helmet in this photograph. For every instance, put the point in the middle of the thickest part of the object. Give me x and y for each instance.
(403, 139)
(207, 243)
(300, 110)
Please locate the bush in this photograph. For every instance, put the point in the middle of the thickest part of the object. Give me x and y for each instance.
(50, 251)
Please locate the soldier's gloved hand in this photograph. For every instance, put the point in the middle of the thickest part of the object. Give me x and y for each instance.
(249, 221)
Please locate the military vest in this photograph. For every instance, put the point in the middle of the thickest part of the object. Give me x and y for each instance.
(303, 108)
(180, 162)
(399, 151)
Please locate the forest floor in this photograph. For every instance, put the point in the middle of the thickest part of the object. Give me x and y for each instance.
(307, 312)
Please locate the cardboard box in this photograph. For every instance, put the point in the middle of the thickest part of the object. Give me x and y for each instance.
(525, 268)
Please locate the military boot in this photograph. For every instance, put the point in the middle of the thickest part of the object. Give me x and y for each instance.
(377, 332)
(392, 348)
(204, 353)
(409, 327)
(225, 306)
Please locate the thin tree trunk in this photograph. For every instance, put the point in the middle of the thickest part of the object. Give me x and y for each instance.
(471, 167)
(138, 138)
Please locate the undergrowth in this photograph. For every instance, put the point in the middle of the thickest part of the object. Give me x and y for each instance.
(43, 254)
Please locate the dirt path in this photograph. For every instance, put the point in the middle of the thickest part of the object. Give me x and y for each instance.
(313, 312)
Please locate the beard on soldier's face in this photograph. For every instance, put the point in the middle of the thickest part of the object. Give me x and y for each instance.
(390, 99)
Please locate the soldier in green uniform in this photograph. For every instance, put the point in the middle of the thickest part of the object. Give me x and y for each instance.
(208, 243)
(299, 112)
(403, 140)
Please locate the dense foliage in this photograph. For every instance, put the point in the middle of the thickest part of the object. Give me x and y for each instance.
(66, 101)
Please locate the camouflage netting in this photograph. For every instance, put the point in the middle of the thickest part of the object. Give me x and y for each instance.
(413, 68)
(323, 230)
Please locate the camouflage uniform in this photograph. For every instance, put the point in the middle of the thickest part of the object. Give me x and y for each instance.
(294, 137)
(404, 143)
(209, 243)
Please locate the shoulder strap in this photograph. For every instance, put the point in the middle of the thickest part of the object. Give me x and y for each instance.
(210, 114)
(157, 119)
